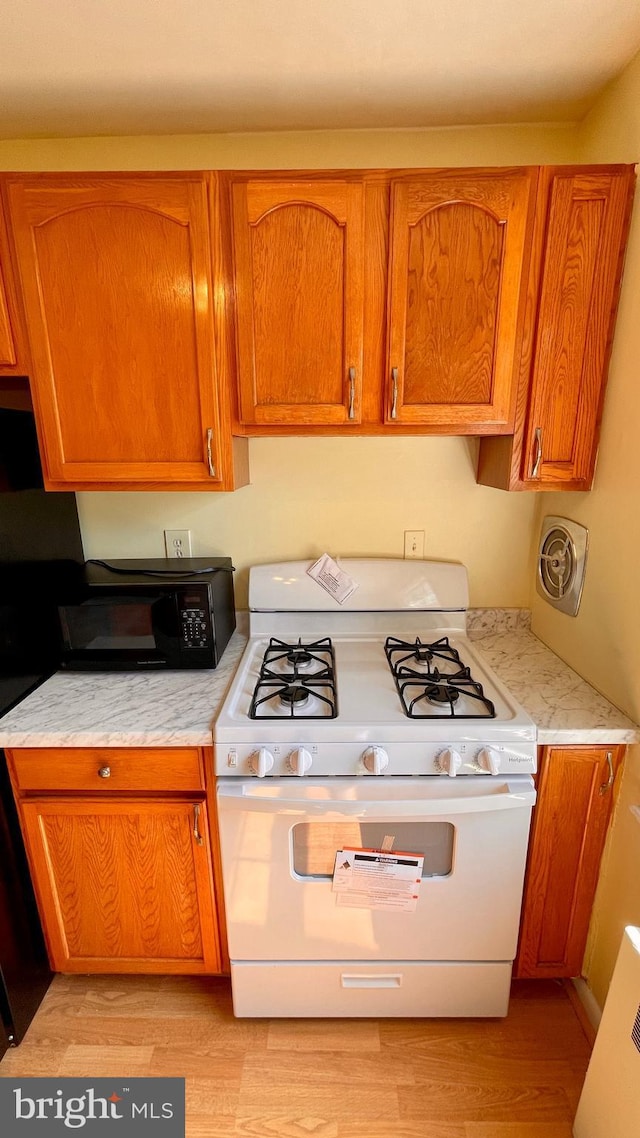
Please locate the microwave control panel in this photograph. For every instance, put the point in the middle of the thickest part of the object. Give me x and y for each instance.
(194, 620)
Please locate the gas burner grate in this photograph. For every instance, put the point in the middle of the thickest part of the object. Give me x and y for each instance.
(296, 681)
(424, 689)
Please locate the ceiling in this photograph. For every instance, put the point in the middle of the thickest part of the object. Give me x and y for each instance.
(76, 67)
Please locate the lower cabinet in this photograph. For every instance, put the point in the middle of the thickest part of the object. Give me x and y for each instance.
(124, 877)
(575, 797)
(123, 850)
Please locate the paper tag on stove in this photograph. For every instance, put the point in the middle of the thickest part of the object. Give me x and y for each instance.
(330, 576)
(375, 879)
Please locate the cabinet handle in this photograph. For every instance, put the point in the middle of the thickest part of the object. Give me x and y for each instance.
(212, 469)
(352, 392)
(105, 772)
(537, 436)
(394, 389)
(609, 783)
(196, 824)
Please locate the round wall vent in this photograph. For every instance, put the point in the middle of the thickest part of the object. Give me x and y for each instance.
(562, 558)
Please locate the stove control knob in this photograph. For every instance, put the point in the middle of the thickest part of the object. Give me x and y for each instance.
(449, 762)
(261, 762)
(299, 761)
(375, 760)
(489, 760)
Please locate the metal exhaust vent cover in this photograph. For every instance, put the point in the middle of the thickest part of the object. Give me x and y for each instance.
(562, 558)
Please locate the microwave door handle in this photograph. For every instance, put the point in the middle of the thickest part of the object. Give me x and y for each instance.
(509, 797)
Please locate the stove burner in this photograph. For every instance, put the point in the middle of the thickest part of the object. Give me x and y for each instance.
(282, 691)
(427, 685)
(299, 657)
(441, 693)
(292, 695)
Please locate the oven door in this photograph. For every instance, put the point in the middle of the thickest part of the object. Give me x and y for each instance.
(279, 839)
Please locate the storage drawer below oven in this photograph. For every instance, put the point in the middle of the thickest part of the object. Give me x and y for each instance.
(360, 988)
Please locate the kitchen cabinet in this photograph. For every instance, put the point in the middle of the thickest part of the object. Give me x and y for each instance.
(121, 856)
(581, 232)
(458, 241)
(575, 796)
(322, 263)
(298, 249)
(119, 295)
(13, 348)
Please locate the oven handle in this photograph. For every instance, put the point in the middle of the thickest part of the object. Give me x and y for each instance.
(511, 796)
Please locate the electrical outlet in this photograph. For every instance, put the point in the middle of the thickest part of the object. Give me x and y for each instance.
(177, 542)
(414, 543)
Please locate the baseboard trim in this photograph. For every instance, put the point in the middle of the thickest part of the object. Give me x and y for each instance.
(585, 1005)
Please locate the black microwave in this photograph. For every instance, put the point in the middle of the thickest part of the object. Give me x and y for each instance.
(147, 615)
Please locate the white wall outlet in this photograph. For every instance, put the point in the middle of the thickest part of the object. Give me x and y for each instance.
(414, 543)
(177, 542)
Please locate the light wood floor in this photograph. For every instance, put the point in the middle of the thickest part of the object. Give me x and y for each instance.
(514, 1078)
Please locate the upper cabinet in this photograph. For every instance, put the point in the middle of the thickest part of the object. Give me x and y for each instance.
(298, 255)
(369, 301)
(171, 315)
(457, 255)
(116, 277)
(582, 223)
(13, 353)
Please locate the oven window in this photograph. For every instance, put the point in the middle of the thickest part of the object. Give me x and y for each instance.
(315, 844)
(108, 624)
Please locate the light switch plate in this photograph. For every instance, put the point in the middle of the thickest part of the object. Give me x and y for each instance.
(414, 543)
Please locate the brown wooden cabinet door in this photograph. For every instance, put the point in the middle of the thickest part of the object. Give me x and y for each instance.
(457, 254)
(575, 794)
(123, 885)
(581, 270)
(298, 265)
(117, 284)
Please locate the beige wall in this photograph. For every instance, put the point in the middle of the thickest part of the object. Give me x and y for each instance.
(352, 497)
(603, 643)
(347, 496)
(455, 146)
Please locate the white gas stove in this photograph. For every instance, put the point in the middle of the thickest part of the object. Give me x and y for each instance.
(325, 689)
(370, 726)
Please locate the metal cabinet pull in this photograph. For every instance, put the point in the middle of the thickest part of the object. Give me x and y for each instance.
(196, 824)
(105, 772)
(352, 392)
(609, 783)
(537, 435)
(212, 469)
(394, 389)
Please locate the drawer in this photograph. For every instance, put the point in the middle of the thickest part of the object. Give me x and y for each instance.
(129, 768)
(266, 989)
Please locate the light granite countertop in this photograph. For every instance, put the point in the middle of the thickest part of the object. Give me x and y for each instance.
(123, 709)
(563, 706)
(138, 709)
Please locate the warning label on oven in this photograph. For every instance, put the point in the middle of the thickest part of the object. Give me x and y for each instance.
(377, 879)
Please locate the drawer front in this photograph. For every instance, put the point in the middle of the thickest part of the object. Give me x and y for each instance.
(360, 988)
(108, 768)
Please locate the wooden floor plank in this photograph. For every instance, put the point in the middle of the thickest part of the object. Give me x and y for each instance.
(323, 1035)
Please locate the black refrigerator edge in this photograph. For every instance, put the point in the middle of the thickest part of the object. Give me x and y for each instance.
(40, 550)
